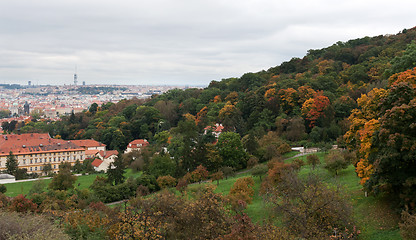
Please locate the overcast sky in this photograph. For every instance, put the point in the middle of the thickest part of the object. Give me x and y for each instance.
(177, 42)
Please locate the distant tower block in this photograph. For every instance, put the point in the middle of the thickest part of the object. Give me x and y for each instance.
(75, 76)
(75, 79)
(83, 83)
(29, 83)
(26, 109)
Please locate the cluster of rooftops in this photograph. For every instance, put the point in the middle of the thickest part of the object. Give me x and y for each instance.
(33, 150)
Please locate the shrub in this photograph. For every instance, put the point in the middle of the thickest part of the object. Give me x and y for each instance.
(228, 172)
(312, 160)
(298, 163)
(22, 204)
(217, 177)
(3, 188)
(241, 192)
(199, 174)
(252, 161)
(259, 170)
(334, 162)
(166, 181)
(26, 227)
(4, 200)
(408, 226)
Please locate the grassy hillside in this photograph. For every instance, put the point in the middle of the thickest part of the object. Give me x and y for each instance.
(374, 217)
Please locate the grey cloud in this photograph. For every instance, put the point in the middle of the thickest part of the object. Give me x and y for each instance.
(177, 42)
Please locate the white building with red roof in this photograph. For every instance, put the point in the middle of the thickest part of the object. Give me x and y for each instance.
(34, 150)
(91, 147)
(136, 145)
(216, 129)
(104, 159)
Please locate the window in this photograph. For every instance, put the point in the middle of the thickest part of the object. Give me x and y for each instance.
(54, 159)
(24, 162)
(36, 168)
(31, 161)
(36, 160)
(30, 168)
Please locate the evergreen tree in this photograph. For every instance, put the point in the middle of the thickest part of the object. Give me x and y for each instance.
(115, 171)
(11, 164)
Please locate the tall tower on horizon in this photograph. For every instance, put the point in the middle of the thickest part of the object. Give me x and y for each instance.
(75, 76)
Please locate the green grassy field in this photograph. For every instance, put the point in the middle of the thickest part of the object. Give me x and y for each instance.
(84, 181)
(14, 189)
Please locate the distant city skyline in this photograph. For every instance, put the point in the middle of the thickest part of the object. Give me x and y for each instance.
(179, 43)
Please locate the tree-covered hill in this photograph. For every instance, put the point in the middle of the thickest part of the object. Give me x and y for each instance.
(317, 92)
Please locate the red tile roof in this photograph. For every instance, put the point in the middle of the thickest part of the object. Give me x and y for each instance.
(97, 162)
(108, 153)
(135, 143)
(88, 143)
(34, 143)
(216, 128)
(91, 152)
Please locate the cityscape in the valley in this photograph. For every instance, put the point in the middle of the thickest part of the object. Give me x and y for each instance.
(48, 101)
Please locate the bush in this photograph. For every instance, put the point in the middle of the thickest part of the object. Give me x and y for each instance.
(408, 226)
(26, 227)
(166, 181)
(259, 170)
(228, 172)
(252, 161)
(4, 200)
(312, 160)
(334, 162)
(310, 209)
(298, 163)
(22, 204)
(3, 188)
(241, 193)
(217, 177)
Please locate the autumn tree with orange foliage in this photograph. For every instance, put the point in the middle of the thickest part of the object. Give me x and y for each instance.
(317, 110)
(242, 190)
(382, 130)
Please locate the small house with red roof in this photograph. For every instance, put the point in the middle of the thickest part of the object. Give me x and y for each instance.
(91, 147)
(216, 129)
(136, 145)
(104, 159)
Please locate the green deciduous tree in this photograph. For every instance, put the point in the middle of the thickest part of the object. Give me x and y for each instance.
(335, 162)
(231, 150)
(64, 180)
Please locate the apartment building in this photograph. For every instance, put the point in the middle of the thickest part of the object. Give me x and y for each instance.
(34, 150)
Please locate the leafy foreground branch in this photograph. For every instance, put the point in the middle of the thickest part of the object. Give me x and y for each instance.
(309, 208)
